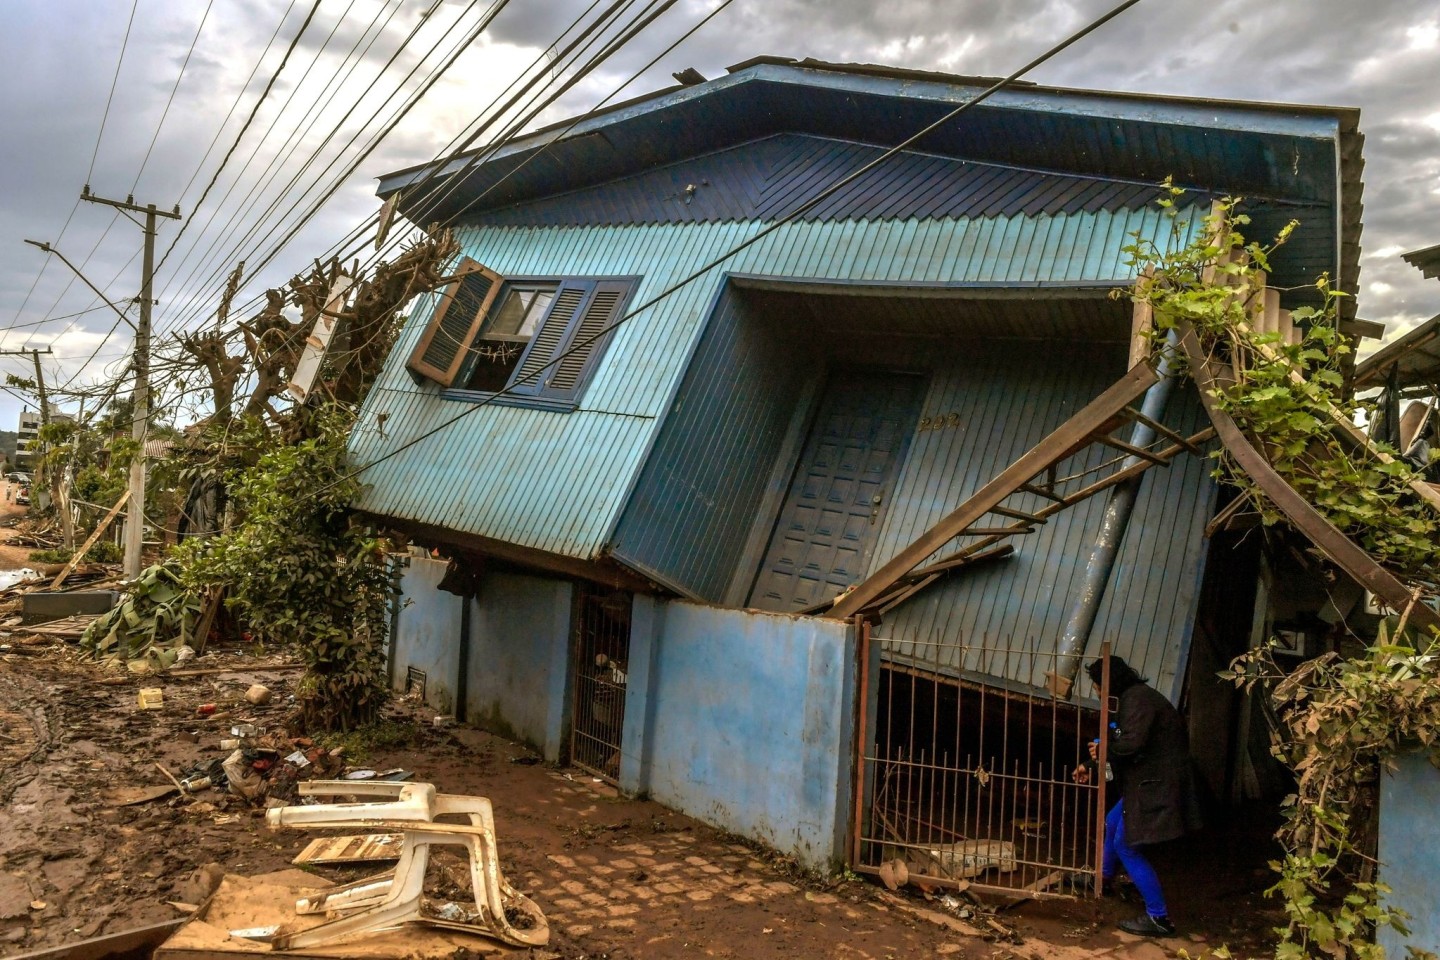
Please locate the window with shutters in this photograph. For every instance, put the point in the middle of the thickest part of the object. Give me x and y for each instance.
(463, 308)
(541, 341)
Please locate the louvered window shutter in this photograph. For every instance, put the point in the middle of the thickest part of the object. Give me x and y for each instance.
(455, 323)
(574, 331)
(535, 371)
(582, 349)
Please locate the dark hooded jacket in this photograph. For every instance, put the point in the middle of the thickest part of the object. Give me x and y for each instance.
(1150, 755)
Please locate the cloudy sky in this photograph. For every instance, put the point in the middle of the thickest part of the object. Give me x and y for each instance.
(357, 62)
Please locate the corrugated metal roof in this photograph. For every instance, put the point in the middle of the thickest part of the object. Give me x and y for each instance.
(1415, 357)
(1283, 157)
(1427, 261)
(556, 481)
(771, 178)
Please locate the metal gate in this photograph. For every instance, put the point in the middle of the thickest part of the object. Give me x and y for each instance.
(601, 668)
(966, 780)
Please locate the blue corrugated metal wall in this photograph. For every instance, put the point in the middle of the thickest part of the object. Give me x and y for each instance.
(1008, 397)
(557, 482)
(695, 505)
(696, 500)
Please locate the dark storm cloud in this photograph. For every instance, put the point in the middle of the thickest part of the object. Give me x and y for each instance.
(59, 56)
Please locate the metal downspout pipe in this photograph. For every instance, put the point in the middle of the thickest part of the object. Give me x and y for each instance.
(1121, 504)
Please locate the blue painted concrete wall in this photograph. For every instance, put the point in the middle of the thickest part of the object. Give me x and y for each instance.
(427, 633)
(1410, 852)
(744, 720)
(519, 657)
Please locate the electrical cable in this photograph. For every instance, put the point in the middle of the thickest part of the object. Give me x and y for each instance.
(602, 23)
(269, 85)
(171, 100)
(799, 211)
(207, 258)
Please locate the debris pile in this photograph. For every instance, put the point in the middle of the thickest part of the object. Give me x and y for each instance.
(156, 621)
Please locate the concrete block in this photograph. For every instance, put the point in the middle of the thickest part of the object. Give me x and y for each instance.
(44, 607)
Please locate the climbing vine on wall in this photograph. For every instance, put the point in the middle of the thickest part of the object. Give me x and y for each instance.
(1340, 721)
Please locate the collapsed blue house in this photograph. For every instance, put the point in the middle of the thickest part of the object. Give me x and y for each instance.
(682, 395)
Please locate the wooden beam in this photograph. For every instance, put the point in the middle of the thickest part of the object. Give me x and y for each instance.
(1341, 550)
(1164, 431)
(1135, 382)
(1130, 448)
(100, 528)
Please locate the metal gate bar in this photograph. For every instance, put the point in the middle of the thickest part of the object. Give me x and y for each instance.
(967, 780)
(601, 668)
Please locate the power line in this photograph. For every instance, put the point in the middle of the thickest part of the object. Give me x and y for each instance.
(166, 112)
(114, 81)
(269, 85)
(799, 211)
(601, 24)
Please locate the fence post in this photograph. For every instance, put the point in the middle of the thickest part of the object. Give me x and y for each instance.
(1100, 761)
(862, 710)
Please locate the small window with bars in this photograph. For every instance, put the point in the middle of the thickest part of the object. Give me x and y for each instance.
(538, 339)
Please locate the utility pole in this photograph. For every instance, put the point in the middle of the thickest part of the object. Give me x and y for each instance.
(67, 528)
(135, 515)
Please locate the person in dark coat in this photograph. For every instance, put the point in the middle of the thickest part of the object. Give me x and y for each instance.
(1150, 756)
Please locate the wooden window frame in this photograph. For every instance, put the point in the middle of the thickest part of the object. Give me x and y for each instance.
(613, 295)
(446, 376)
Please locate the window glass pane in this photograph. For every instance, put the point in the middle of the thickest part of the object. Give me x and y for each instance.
(508, 318)
(539, 303)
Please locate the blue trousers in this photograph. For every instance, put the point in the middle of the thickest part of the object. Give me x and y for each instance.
(1119, 853)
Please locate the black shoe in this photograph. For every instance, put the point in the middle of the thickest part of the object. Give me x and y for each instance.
(1148, 926)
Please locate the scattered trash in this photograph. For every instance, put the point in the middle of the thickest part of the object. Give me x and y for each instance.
(443, 721)
(244, 780)
(360, 775)
(38, 904)
(195, 784)
(258, 694)
(205, 710)
(9, 578)
(453, 912)
(231, 744)
(184, 652)
(130, 796)
(526, 761)
(243, 730)
(259, 934)
(151, 698)
(298, 758)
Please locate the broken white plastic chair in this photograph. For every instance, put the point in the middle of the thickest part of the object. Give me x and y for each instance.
(397, 896)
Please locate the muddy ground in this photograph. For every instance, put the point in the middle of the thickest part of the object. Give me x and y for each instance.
(616, 877)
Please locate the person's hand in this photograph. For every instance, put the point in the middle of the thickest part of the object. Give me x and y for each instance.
(1081, 775)
(1094, 751)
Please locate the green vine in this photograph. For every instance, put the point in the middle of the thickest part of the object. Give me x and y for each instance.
(1340, 721)
(301, 572)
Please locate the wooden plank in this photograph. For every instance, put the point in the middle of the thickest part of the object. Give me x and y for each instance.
(1131, 449)
(100, 528)
(69, 627)
(1341, 550)
(209, 608)
(1142, 328)
(135, 944)
(1164, 431)
(1135, 382)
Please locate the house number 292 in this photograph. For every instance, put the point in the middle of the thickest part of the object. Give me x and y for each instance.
(939, 422)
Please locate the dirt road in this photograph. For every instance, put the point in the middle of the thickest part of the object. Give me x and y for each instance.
(616, 877)
(12, 556)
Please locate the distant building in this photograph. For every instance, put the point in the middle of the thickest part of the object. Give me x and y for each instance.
(29, 431)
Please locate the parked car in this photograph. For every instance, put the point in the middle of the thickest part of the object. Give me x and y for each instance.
(22, 496)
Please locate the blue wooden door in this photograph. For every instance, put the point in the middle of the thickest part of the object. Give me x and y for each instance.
(832, 511)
